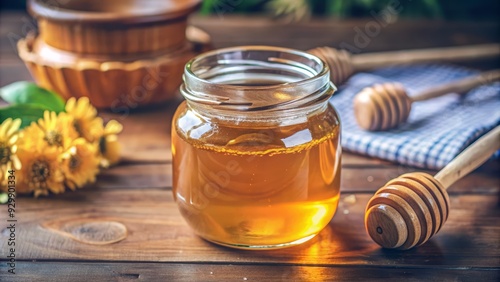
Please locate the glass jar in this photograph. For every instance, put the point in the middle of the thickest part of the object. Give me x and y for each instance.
(256, 147)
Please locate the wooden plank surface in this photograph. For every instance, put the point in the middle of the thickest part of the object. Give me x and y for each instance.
(132, 203)
(133, 271)
(231, 30)
(355, 178)
(156, 232)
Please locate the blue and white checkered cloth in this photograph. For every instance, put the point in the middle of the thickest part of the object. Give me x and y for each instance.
(436, 131)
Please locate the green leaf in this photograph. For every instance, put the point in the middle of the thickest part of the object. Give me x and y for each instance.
(23, 92)
(28, 113)
(4, 198)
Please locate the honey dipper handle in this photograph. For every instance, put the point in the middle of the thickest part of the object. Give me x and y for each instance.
(460, 86)
(449, 54)
(474, 156)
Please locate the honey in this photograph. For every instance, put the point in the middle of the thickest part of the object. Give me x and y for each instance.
(257, 192)
(256, 179)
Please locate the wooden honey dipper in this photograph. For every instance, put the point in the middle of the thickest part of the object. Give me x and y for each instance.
(385, 106)
(410, 209)
(343, 64)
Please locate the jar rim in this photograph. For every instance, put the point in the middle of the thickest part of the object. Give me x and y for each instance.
(188, 70)
(306, 78)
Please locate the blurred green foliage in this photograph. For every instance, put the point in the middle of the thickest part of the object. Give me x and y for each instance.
(470, 10)
(443, 9)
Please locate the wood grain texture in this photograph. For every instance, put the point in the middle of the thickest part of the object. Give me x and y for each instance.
(227, 31)
(417, 201)
(414, 198)
(112, 39)
(135, 199)
(146, 138)
(454, 55)
(461, 86)
(471, 158)
(355, 178)
(157, 232)
(382, 106)
(123, 271)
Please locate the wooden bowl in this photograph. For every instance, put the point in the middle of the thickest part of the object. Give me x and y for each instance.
(114, 82)
(113, 27)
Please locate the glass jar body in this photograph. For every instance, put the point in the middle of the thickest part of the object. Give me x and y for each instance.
(256, 184)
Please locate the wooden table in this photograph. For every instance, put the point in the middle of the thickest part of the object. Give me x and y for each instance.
(134, 201)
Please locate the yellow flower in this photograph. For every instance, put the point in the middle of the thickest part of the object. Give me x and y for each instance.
(57, 130)
(80, 163)
(9, 134)
(40, 171)
(85, 119)
(109, 147)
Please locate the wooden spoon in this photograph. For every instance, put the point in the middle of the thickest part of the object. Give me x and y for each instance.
(410, 209)
(385, 106)
(343, 64)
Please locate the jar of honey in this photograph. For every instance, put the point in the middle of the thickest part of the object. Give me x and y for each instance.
(256, 147)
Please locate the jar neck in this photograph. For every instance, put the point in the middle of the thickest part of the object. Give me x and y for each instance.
(257, 83)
